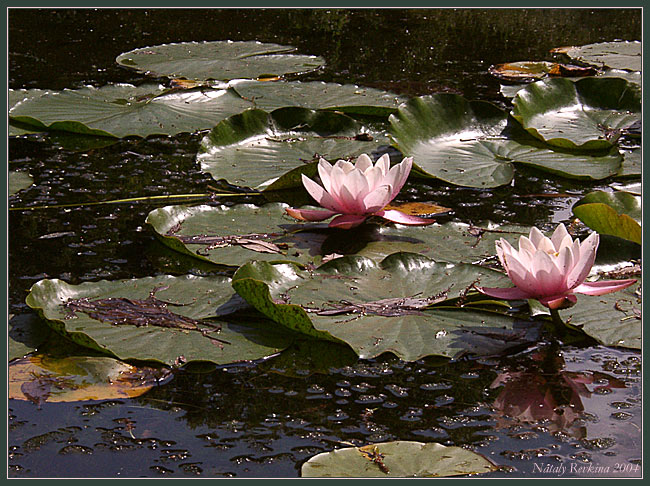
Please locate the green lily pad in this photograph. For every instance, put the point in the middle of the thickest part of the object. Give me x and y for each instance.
(226, 236)
(612, 319)
(219, 60)
(254, 147)
(587, 114)
(19, 181)
(121, 110)
(95, 319)
(632, 163)
(346, 98)
(17, 96)
(397, 459)
(470, 144)
(26, 333)
(383, 307)
(616, 55)
(611, 213)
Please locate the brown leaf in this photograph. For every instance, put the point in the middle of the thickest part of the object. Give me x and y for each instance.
(419, 208)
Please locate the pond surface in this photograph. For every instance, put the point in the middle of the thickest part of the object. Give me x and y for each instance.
(265, 419)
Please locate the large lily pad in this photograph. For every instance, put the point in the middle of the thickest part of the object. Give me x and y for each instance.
(120, 110)
(470, 144)
(254, 147)
(396, 459)
(377, 308)
(26, 333)
(616, 55)
(219, 60)
(155, 318)
(611, 213)
(586, 114)
(346, 98)
(228, 236)
(18, 96)
(19, 181)
(612, 319)
(76, 378)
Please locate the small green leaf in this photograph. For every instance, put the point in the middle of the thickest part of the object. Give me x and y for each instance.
(19, 181)
(616, 214)
(399, 459)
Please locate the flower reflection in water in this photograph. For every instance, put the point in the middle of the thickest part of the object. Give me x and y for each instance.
(546, 395)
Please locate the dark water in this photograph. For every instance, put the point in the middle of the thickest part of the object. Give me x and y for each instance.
(265, 419)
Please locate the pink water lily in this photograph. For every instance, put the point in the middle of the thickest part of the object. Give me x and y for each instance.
(356, 191)
(551, 270)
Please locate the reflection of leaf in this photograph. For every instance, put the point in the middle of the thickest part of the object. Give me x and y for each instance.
(617, 214)
(41, 379)
(397, 459)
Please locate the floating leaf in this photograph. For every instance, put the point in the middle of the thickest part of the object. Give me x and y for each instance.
(612, 319)
(17, 96)
(617, 214)
(386, 307)
(587, 114)
(19, 181)
(165, 319)
(632, 163)
(26, 333)
(44, 379)
(220, 60)
(470, 144)
(345, 98)
(254, 147)
(527, 71)
(616, 55)
(121, 110)
(210, 233)
(397, 460)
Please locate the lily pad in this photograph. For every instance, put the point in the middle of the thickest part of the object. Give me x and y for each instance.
(587, 114)
(77, 378)
(254, 147)
(19, 181)
(346, 98)
(165, 319)
(219, 60)
(616, 214)
(471, 144)
(121, 110)
(397, 459)
(226, 236)
(386, 307)
(612, 319)
(26, 333)
(632, 163)
(616, 55)
(18, 96)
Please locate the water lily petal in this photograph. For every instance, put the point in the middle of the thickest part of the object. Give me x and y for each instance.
(510, 293)
(399, 217)
(344, 165)
(377, 199)
(363, 162)
(549, 281)
(564, 262)
(325, 171)
(603, 286)
(383, 163)
(526, 244)
(375, 178)
(347, 221)
(398, 175)
(322, 197)
(310, 214)
(558, 236)
(520, 275)
(556, 302)
(535, 236)
(585, 261)
(352, 204)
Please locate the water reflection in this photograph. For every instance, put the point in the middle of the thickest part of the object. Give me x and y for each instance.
(544, 393)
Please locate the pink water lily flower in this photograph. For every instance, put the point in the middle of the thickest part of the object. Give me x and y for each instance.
(551, 270)
(356, 191)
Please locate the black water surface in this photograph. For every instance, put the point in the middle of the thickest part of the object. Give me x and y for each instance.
(259, 419)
